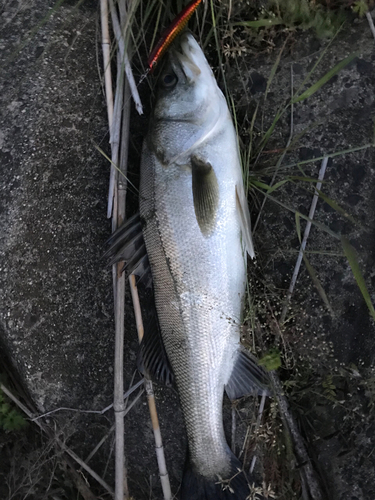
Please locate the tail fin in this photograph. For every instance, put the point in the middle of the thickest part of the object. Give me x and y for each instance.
(197, 487)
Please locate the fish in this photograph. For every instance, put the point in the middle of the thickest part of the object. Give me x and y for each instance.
(196, 235)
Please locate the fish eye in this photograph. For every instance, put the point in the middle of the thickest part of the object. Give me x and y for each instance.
(169, 80)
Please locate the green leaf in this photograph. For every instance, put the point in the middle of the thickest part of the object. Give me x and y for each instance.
(351, 255)
(271, 361)
(316, 86)
(14, 421)
(4, 409)
(360, 7)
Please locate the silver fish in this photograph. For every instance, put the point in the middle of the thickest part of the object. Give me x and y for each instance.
(196, 227)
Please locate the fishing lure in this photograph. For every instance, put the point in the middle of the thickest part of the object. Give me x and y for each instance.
(171, 32)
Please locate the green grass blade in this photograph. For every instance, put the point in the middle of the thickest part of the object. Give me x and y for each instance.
(260, 23)
(330, 155)
(260, 184)
(336, 206)
(269, 132)
(116, 167)
(317, 283)
(331, 73)
(274, 69)
(351, 255)
(298, 226)
(321, 226)
(277, 185)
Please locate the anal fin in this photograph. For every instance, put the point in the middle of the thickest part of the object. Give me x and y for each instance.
(152, 358)
(247, 377)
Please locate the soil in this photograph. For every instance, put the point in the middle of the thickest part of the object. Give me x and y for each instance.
(56, 307)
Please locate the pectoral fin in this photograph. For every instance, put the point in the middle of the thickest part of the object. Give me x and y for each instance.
(243, 210)
(247, 376)
(205, 194)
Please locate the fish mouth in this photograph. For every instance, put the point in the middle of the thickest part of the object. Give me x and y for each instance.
(189, 56)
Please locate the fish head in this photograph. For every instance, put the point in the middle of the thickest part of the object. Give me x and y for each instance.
(187, 87)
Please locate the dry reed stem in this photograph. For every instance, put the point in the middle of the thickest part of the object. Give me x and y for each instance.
(124, 55)
(309, 480)
(106, 47)
(106, 436)
(115, 131)
(119, 295)
(257, 425)
(308, 476)
(233, 430)
(304, 240)
(116, 209)
(62, 445)
(164, 479)
(97, 412)
(371, 23)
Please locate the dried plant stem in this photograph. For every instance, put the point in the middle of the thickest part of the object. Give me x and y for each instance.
(371, 23)
(119, 127)
(62, 445)
(106, 436)
(164, 479)
(115, 131)
(308, 477)
(98, 412)
(124, 56)
(307, 473)
(106, 47)
(233, 433)
(119, 297)
(257, 425)
(118, 401)
(304, 240)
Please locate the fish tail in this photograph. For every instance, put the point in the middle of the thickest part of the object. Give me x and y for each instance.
(198, 487)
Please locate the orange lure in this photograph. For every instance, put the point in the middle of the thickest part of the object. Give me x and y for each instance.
(171, 32)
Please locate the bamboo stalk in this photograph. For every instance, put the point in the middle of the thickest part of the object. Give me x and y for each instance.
(163, 473)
